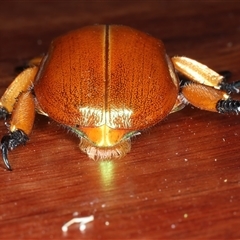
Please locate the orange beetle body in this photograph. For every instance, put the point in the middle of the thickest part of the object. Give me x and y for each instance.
(106, 84)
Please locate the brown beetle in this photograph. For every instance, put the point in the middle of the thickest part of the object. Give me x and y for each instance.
(106, 84)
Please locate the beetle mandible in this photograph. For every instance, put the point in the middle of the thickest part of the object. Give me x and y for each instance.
(107, 83)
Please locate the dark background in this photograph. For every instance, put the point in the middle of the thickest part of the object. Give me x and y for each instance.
(180, 181)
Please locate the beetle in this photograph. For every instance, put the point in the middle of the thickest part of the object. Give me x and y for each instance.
(107, 83)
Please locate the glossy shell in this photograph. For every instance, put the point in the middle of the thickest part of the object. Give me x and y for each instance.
(106, 75)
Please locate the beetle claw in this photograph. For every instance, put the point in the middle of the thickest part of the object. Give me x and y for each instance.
(11, 141)
(4, 148)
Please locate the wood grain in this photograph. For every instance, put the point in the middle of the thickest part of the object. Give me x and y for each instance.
(181, 179)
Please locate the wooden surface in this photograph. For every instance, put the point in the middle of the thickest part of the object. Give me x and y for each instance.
(182, 178)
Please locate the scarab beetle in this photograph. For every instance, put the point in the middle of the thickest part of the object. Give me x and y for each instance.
(106, 83)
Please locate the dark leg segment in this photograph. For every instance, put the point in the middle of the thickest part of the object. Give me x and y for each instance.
(233, 87)
(9, 142)
(3, 113)
(228, 106)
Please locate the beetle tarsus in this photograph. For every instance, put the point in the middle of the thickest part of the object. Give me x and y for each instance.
(3, 113)
(233, 87)
(4, 148)
(228, 106)
(11, 141)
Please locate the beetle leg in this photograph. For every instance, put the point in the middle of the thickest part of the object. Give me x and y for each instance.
(208, 98)
(20, 126)
(197, 72)
(21, 84)
(180, 103)
(207, 90)
(233, 87)
(226, 106)
(9, 142)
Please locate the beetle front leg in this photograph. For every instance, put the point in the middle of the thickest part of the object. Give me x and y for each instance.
(206, 88)
(228, 106)
(20, 84)
(20, 126)
(200, 73)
